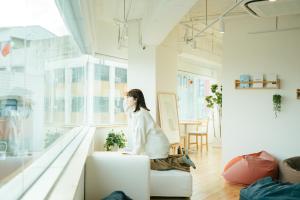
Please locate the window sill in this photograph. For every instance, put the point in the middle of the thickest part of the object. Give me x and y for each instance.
(37, 180)
(45, 184)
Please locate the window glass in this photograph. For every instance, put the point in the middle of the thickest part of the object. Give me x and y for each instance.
(192, 90)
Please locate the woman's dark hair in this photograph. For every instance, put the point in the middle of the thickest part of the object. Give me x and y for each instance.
(138, 95)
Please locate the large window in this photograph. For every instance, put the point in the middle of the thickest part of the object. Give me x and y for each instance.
(34, 56)
(47, 85)
(192, 90)
(110, 84)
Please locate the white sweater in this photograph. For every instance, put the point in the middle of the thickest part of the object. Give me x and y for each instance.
(148, 138)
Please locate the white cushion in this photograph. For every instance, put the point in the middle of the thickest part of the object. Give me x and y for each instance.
(107, 172)
(170, 183)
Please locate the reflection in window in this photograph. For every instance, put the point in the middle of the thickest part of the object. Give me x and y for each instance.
(44, 84)
(33, 81)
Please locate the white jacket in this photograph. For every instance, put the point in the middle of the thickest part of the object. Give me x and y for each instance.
(148, 138)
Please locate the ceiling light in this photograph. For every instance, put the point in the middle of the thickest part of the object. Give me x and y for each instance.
(222, 26)
(272, 0)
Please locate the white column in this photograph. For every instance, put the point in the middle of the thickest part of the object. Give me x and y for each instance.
(141, 67)
(166, 66)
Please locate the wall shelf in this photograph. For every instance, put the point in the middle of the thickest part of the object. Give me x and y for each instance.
(265, 84)
(298, 93)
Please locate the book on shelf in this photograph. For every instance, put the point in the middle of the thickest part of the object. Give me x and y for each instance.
(273, 78)
(244, 78)
(257, 80)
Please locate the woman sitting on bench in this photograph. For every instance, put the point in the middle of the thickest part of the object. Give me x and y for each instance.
(148, 138)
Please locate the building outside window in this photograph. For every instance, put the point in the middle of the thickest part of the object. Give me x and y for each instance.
(120, 89)
(77, 74)
(110, 84)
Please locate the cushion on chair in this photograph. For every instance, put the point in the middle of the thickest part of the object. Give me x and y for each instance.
(247, 169)
(290, 170)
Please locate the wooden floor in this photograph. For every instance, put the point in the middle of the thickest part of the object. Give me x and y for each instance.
(208, 184)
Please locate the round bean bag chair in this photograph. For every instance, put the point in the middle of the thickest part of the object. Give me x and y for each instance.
(249, 168)
(290, 170)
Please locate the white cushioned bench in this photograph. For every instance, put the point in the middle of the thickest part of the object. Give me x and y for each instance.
(106, 172)
(171, 183)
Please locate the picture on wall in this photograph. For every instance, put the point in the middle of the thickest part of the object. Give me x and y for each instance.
(168, 113)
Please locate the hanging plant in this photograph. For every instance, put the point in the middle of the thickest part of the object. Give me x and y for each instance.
(276, 104)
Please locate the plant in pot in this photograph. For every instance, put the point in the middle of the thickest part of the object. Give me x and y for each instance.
(215, 101)
(276, 104)
(115, 140)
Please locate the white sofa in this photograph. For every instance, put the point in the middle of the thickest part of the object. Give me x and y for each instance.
(107, 172)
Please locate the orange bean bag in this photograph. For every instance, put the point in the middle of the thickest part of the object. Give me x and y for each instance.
(249, 168)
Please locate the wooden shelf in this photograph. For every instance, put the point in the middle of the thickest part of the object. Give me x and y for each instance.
(298, 93)
(265, 84)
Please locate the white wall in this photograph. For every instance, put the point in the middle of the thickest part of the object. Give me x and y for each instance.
(153, 69)
(248, 120)
(166, 66)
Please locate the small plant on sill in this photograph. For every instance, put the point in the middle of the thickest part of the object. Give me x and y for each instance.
(276, 104)
(115, 140)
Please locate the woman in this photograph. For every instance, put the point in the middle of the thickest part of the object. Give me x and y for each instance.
(148, 138)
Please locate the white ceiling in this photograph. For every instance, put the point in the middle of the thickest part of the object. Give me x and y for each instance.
(214, 7)
(158, 17)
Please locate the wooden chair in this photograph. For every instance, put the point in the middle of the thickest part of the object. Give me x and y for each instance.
(201, 131)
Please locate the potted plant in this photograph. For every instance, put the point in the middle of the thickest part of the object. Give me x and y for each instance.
(215, 101)
(115, 140)
(276, 104)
